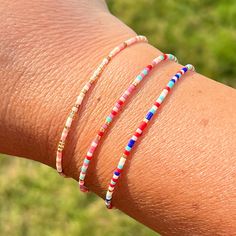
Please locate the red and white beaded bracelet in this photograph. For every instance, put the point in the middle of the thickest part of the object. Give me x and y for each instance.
(114, 112)
(139, 131)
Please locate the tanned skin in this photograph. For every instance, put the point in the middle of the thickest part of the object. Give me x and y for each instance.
(181, 176)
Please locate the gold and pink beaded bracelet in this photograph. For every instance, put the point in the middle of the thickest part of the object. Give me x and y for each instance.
(79, 100)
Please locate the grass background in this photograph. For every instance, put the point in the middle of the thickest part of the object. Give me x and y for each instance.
(34, 200)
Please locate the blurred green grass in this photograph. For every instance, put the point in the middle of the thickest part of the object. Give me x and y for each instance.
(34, 200)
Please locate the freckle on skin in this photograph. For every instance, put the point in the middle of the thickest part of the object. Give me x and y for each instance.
(99, 99)
(204, 122)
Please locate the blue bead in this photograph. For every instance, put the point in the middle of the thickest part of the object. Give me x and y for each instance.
(116, 173)
(120, 166)
(82, 177)
(131, 143)
(149, 115)
(173, 80)
(161, 97)
(152, 110)
(170, 84)
(108, 119)
(139, 77)
(145, 72)
(185, 69)
(177, 75)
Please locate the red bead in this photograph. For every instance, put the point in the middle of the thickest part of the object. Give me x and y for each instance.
(143, 125)
(137, 134)
(112, 185)
(113, 112)
(89, 158)
(115, 180)
(165, 56)
(120, 102)
(157, 104)
(167, 88)
(149, 67)
(126, 152)
(100, 133)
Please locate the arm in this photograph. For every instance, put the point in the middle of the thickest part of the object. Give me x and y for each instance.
(181, 179)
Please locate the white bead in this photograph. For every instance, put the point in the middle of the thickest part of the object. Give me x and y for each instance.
(122, 161)
(74, 109)
(164, 92)
(86, 87)
(79, 100)
(110, 188)
(154, 107)
(139, 130)
(115, 109)
(94, 144)
(122, 99)
(89, 154)
(115, 176)
(109, 194)
(105, 60)
(159, 100)
(127, 93)
(68, 121)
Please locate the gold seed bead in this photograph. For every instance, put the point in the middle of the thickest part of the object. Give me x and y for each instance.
(125, 156)
(84, 90)
(108, 58)
(72, 114)
(61, 144)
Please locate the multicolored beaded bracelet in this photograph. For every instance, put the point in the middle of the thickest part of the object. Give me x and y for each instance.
(114, 112)
(75, 108)
(139, 131)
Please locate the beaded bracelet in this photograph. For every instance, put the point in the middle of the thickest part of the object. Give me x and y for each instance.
(95, 76)
(114, 112)
(139, 131)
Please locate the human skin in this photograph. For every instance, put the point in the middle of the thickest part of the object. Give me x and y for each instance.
(181, 177)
